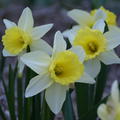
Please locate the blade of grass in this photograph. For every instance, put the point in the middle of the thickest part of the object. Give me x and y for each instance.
(68, 111)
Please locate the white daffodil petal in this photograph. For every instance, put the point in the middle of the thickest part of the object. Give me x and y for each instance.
(40, 31)
(86, 78)
(79, 51)
(100, 14)
(102, 112)
(37, 61)
(71, 33)
(26, 20)
(41, 45)
(80, 16)
(92, 67)
(6, 53)
(38, 84)
(99, 25)
(115, 93)
(9, 23)
(55, 96)
(113, 38)
(59, 43)
(109, 57)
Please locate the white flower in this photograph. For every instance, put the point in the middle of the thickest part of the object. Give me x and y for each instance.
(17, 38)
(97, 45)
(56, 72)
(111, 110)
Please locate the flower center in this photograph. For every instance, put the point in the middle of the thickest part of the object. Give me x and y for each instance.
(92, 47)
(16, 40)
(66, 68)
(58, 70)
(93, 42)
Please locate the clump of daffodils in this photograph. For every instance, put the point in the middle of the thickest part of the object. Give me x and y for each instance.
(90, 34)
(19, 37)
(84, 18)
(111, 110)
(56, 72)
(58, 67)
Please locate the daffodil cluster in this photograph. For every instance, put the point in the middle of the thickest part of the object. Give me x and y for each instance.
(59, 67)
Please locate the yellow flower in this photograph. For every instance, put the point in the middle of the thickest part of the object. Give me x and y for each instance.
(57, 72)
(97, 45)
(110, 16)
(17, 38)
(93, 42)
(84, 18)
(66, 68)
(111, 110)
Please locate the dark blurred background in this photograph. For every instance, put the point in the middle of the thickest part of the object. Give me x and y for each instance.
(51, 11)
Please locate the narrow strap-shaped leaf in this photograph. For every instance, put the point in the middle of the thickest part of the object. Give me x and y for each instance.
(27, 107)
(11, 93)
(100, 83)
(2, 115)
(68, 111)
(20, 98)
(36, 107)
(82, 96)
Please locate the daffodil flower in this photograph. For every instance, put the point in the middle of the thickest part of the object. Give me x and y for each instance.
(84, 18)
(56, 72)
(108, 16)
(111, 110)
(18, 37)
(98, 45)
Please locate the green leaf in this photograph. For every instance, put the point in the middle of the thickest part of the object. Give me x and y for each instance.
(36, 107)
(20, 97)
(82, 96)
(27, 106)
(68, 111)
(11, 93)
(100, 83)
(92, 113)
